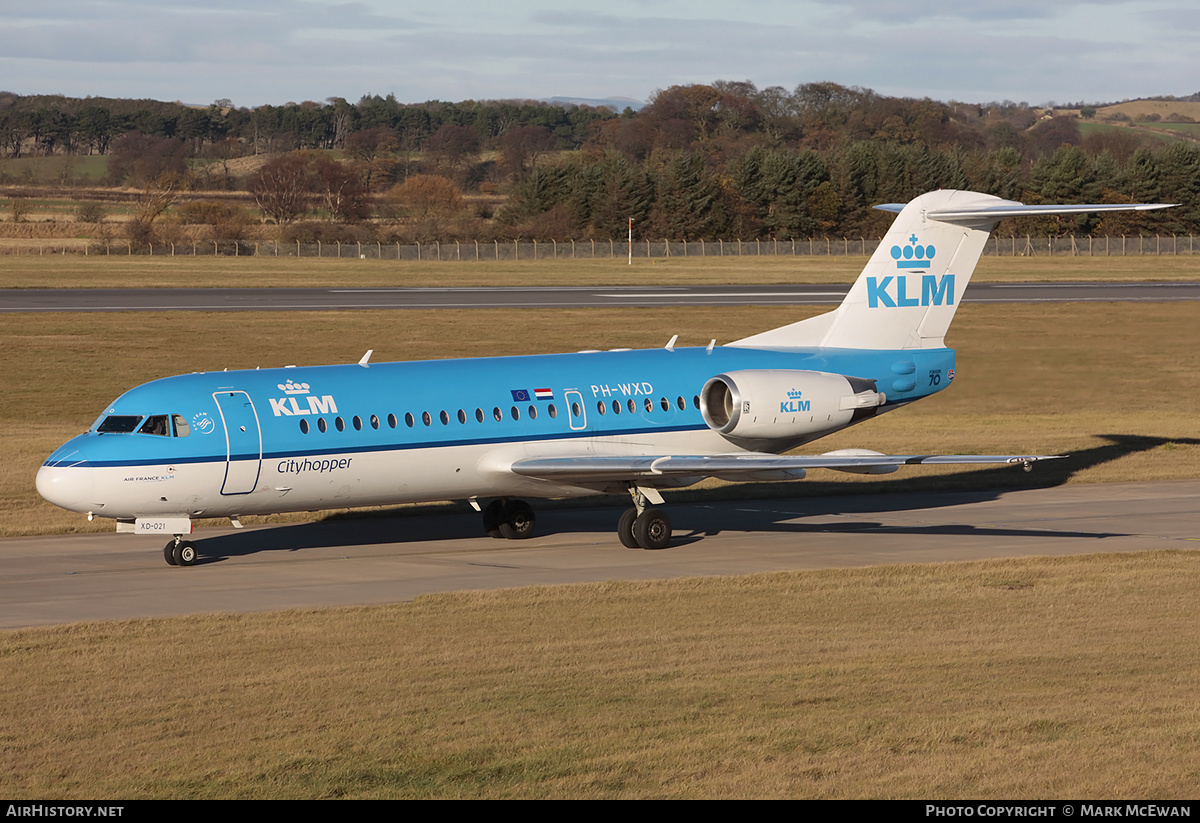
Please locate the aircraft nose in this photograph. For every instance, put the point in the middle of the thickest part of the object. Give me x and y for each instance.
(68, 487)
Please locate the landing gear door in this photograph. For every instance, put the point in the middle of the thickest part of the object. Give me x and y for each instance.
(243, 441)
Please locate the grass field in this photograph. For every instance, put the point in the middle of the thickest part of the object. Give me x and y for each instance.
(1014, 679)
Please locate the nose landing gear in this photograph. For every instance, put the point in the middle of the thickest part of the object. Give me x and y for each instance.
(180, 552)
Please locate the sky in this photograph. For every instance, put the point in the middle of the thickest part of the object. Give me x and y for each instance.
(255, 52)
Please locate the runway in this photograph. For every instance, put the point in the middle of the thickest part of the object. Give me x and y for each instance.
(60, 579)
(345, 299)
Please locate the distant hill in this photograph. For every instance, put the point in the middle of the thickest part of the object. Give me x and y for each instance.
(617, 104)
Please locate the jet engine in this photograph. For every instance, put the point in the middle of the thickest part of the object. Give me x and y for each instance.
(777, 409)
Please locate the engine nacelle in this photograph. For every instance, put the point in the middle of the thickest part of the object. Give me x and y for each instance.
(778, 409)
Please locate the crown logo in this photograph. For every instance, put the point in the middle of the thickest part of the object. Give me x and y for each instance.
(914, 255)
(794, 394)
(293, 388)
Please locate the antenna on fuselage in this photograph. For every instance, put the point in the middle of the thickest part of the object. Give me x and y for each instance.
(366, 357)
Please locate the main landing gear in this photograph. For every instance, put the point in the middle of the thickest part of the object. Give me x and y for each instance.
(180, 552)
(511, 519)
(643, 527)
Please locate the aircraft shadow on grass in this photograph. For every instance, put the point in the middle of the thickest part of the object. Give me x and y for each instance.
(698, 519)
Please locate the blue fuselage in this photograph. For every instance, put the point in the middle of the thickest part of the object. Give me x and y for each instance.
(242, 442)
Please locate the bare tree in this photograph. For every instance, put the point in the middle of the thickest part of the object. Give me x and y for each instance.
(282, 187)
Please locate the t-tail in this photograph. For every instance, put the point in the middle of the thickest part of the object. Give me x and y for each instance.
(906, 296)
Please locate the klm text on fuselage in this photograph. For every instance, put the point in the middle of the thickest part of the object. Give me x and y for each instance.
(893, 291)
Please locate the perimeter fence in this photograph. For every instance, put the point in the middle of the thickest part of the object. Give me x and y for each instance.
(493, 250)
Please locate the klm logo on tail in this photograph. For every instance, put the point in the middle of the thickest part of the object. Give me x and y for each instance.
(893, 292)
(896, 291)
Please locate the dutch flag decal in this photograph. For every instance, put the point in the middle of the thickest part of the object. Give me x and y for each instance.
(543, 394)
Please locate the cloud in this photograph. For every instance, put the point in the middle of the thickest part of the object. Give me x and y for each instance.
(279, 50)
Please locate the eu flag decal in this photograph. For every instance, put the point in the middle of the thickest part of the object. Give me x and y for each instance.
(520, 395)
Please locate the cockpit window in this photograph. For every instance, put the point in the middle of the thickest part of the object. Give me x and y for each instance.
(156, 424)
(119, 424)
(182, 429)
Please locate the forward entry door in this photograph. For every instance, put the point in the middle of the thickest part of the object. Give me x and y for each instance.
(243, 442)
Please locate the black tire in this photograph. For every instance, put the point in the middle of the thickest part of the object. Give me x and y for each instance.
(169, 554)
(493, 516)
(518, 521)
(185, 554)
(652, 529)
(625, 529)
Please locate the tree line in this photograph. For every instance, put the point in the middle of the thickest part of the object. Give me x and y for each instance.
(698, 162)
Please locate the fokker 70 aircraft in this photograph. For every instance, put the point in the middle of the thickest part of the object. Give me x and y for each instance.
(497, 430)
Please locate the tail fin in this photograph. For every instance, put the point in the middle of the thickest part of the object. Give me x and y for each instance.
(906, 296)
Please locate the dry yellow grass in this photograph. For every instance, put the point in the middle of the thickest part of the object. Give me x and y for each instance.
(1040, 678)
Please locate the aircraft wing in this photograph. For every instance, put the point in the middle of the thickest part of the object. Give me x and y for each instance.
(588, 469)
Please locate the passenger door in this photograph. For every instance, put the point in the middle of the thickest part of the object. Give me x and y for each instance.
(243, 441)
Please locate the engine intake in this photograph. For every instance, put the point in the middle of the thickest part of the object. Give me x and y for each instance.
(778, 409)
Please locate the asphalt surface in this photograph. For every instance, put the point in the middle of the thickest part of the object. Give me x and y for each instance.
(326, 299)
(60, 579)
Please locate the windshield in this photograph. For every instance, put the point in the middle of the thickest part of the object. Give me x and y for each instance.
(119, 424)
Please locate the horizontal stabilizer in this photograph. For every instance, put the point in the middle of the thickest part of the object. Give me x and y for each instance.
(1010, 208)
